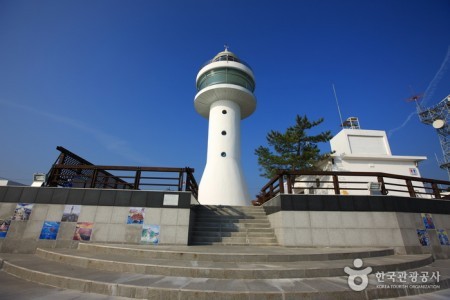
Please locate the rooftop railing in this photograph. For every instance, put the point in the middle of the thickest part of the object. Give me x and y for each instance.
(226, 58)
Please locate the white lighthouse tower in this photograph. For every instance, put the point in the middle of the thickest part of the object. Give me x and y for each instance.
(225, 88)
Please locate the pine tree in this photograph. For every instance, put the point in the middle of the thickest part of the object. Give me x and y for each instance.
(293, 150)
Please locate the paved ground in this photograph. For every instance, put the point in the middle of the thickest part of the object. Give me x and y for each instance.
(441, 295)
(18, 289)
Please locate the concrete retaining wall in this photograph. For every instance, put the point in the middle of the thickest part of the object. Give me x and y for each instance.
(106, 211)
(356, 228)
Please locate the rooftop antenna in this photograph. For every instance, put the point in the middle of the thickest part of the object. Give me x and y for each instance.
(437, 158)
(337, 103)
(437, 116)
(415, 98)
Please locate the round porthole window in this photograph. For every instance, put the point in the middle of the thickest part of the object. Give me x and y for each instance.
(223, 154)
(224, 132)
(224, 111)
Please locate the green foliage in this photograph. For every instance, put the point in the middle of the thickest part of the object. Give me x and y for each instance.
(293, 149)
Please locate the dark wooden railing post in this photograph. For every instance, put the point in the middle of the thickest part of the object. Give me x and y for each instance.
(436, 192)
(180, 180)
(337, 191)
(191, 184)
(289, 183)
(105, 182)
(187, 186)
(410, 187)
(137, 180)
(281, 183)
(383, 187)
(55, 172)
(94, 178)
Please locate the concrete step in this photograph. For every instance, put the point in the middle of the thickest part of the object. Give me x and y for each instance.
(226, 270)
(199, 220)
(261, 216)
(237, 214)
(233, 229)
(233, 234)
(232, 219)
(213, 218)
(229, 225)
(234, 254)
(236, 226)
(230, 209)
(234, 240)
(230, 212)
(234, 244)
(135, 285)
(12, 287)
(248, 240)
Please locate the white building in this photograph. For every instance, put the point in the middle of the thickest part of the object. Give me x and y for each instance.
(358, 150)
(7, 182)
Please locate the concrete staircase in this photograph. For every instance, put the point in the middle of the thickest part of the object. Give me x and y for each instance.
(216, 272)
(232, 225)
(234, 255)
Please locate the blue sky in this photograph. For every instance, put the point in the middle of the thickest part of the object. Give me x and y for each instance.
(114, 81)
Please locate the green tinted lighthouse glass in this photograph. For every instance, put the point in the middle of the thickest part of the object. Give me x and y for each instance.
(226, 75)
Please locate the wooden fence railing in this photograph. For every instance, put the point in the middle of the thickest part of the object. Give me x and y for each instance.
(348, 183)
(71, 170)
(125, 177)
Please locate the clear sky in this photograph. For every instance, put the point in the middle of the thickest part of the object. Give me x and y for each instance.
(114, 81)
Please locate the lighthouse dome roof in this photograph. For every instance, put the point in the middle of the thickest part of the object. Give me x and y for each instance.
(226, 55)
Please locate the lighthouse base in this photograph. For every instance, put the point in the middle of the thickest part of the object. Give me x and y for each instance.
(224, 187)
